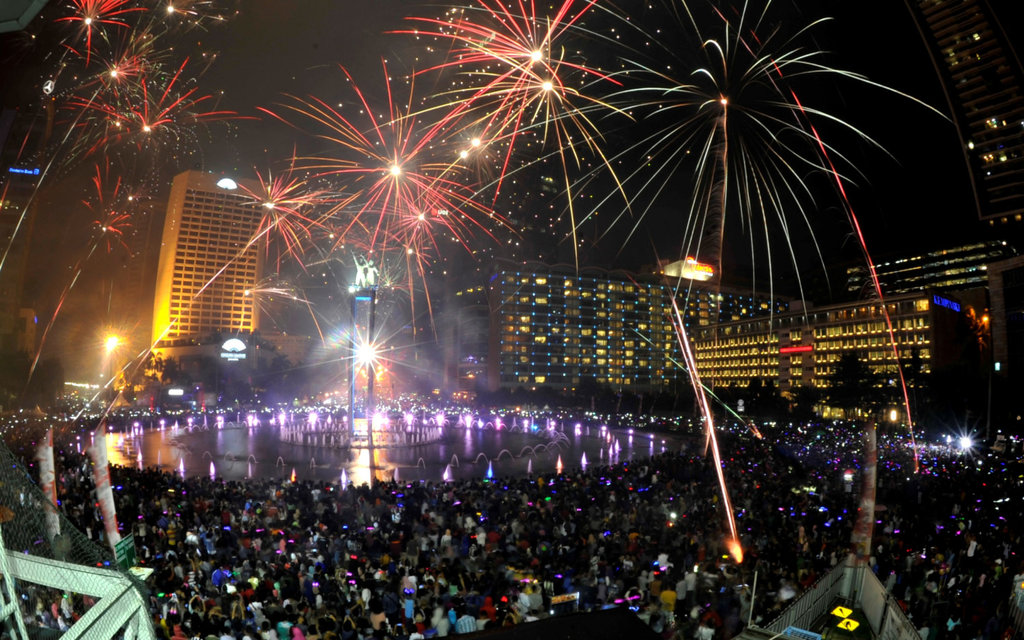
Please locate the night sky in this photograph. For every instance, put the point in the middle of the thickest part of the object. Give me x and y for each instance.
(917, 199)
(269, 48)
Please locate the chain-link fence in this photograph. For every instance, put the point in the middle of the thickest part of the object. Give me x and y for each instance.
(56, 582)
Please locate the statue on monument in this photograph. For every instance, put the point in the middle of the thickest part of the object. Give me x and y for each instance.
(366, 273)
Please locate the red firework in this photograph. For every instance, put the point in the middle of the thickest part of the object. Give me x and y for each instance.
(91, 14)
(112, 220)
(405, 196)
(147, 109)
(286, 202)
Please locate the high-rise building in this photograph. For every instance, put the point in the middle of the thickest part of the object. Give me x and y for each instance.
(961, 267)
(802, 348)
(556, 327)
(984, 85)
(208, 262)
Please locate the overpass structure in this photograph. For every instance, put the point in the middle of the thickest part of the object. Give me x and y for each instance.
(44, 559)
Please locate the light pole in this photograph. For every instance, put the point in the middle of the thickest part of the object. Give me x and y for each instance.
(111, 345)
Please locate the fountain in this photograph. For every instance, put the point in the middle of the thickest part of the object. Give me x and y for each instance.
(529, 466)
(583, 461)
(181, 467)
(293, 476)
(447, 474)
(213, 471)
(558, 465)
(344, 480)
(490, 470)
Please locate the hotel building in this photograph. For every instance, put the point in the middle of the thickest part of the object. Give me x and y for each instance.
(207, 265)
(802, 348)
(556, 327)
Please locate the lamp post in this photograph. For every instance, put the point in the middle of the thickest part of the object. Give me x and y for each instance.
(111, 345)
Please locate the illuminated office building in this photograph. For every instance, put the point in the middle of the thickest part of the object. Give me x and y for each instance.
(984, 87)
(802, 348)
(556, 327)
(961, 267)
(207, 267)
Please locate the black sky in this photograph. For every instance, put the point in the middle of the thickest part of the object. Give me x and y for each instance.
(920, 197)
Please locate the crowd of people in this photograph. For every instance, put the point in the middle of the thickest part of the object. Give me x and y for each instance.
(271, 559)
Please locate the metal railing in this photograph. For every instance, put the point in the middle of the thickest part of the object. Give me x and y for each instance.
(811, 604)
(1017, 612)
(858, 587)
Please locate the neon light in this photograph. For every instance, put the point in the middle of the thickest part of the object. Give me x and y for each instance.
(694, 270)
(802, 348)
(946, 302)
(27, 172)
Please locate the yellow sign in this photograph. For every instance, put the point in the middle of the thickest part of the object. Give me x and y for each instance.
(842, 612)
(848, 623)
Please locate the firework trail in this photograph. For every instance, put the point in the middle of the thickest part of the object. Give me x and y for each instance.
(735, 548)
(736, 118)
(154, 113)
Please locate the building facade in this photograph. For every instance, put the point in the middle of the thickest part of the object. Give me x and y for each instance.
(1006, 289)
(209, 264)
(803, 348)
(556, 327)
(984, 85)
(961, 267)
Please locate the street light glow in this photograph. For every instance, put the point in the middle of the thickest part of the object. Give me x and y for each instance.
(112, 342)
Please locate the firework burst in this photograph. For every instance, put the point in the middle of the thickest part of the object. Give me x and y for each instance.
(519, 83)
(403, 196)
(286, 202)
(152, 112)
(109, 206)
(92, 15)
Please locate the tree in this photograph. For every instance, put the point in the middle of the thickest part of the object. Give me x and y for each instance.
(802, 402)
(853, 386)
